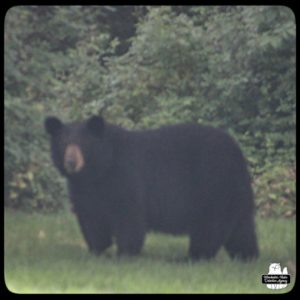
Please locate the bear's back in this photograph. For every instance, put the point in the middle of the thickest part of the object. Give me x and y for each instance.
(168, 164)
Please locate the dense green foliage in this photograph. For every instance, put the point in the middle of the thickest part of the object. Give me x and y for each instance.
(231, 67)
(27, 173)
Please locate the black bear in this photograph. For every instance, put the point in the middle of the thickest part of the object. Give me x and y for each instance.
(181, 179)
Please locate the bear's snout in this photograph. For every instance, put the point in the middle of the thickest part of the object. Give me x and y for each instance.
(73, 159)
(70, 165)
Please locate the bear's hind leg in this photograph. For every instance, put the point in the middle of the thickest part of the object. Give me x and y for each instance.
(242, 243)
(204, 244)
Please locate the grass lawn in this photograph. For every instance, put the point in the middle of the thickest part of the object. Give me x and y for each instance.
(47, 254)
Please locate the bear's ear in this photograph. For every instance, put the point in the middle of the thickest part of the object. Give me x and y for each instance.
(53, 125)
(95, 124)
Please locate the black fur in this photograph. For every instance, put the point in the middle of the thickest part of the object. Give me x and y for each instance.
(181, 179)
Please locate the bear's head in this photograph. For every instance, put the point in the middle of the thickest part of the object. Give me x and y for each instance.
(80, 146)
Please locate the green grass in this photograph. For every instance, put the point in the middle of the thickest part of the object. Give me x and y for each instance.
(46, 254)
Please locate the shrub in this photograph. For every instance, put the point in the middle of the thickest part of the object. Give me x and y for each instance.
(275, 191)
(30, 181)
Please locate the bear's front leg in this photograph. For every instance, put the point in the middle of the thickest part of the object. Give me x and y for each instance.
(129, 242)
(130, 233)
(128, 211)
(96, 233)
(93, 217)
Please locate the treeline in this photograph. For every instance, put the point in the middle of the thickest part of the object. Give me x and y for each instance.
(228, 66)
